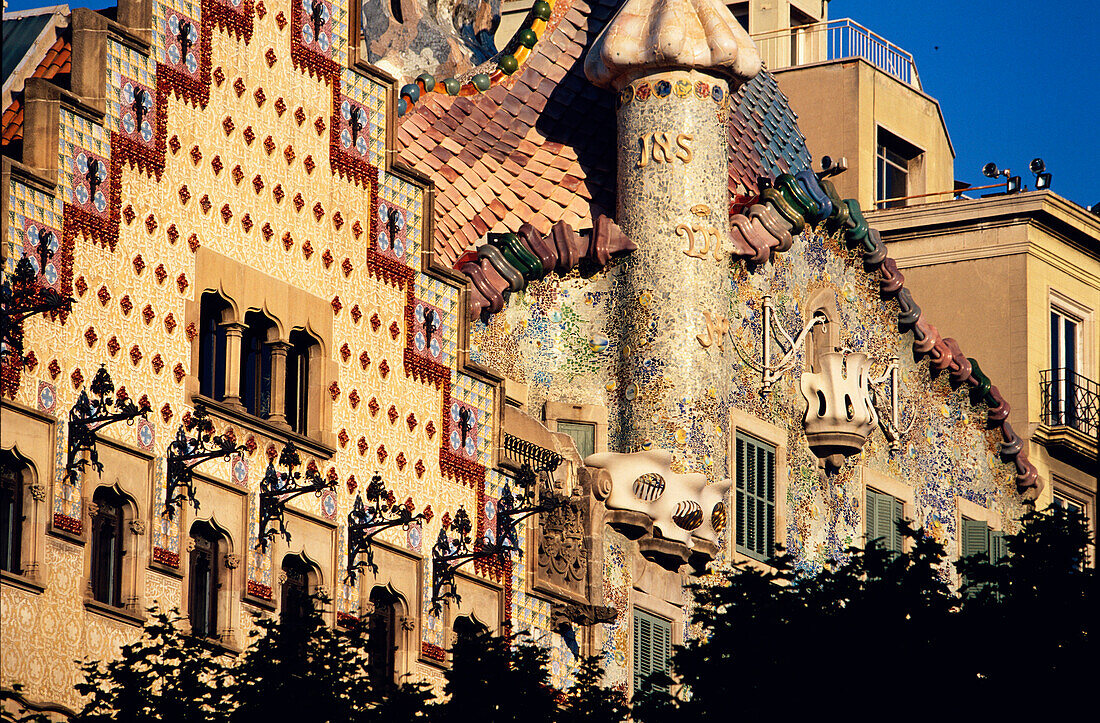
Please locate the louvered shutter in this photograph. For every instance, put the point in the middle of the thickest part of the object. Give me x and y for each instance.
(755, 497)
(998, 549)
(652, 646)
(975, 538)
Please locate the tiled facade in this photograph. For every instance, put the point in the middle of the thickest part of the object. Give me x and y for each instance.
(261, 162)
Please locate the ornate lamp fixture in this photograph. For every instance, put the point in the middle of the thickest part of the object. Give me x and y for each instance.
(771, 373)
(21, 297)
(185, 453)
(89, 415)
(365, 522)
(278, 488)
(451, 553)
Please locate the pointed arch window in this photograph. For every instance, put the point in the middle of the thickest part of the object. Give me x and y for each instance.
(107, 546)
(212, 346)
(256, 364)
(11, 512)
(205, 580)
(303, 348)
(382, 637)
(295, 600)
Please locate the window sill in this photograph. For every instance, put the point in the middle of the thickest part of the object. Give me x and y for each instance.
(165, 569)
(230, 413)
(217, 646)
(110, 611)
(22, 582)
(259, 602)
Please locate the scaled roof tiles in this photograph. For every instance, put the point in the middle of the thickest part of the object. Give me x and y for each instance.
(56, 63)
(540, 146)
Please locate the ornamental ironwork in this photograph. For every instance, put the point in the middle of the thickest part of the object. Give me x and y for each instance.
(93, 413)
(455, 547)
(366, 521)
(186, 453)
(21, 297)
(278, 488)
(539, 459)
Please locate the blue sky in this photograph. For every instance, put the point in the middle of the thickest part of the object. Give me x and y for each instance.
(1016, 79)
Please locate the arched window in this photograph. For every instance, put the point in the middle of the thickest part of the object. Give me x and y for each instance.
(204, 580)
(212, 346)
(256, 364)
(302, 347)
(382, 637)
(107, 540)
(11, 512)
(467, 627)
(296, 603)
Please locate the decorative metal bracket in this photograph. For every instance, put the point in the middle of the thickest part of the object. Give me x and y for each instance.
(186, 453)
(89, 415)
(366, 521)
(449, 553)
(21, 297)
(889, 419)
(771, 373)
(278, 488)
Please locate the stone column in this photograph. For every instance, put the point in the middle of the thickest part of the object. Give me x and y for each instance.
(673, 64)
(234, 334)
(277, 412)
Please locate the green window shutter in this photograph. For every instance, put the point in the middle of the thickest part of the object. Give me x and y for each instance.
(883, 512)
(998, 549)
(895, 532)
(652, 645)
(870, 521)
(584, 436)
(755, 497)
(974, 539)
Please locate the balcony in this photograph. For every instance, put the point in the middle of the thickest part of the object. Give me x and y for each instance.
(841, 39)
(1071, 410)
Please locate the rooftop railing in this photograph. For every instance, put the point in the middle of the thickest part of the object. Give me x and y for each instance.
(835, 40)
(1070, 400)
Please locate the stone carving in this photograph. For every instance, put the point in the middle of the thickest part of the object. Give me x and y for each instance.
(563, 552)
(839, 411)
(717, 328)
(654, 34)
(38, 492)
(232, 561)
(580, 614)
(137, 527)
(683, 509)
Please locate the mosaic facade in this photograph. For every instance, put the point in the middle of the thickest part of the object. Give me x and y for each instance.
(244, 153)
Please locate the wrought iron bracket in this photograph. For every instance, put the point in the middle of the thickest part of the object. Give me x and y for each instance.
(887, 389)
(21, 297)
(449, 554)
(92, 413)
(771, 329)
(186, 453)
(365, 522)
(278, 488)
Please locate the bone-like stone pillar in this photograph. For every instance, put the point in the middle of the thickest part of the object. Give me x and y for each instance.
(674, 302)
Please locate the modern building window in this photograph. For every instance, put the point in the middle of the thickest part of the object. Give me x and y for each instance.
(204, 582)
(583, 434)
(11, 512)
(382, 637)
(256, 364)
(212, 346)
(896, 166)
(295, 600)
(652, 646)
(302, 347)
(1075, 499)
(882, 513)
(755, 497)
(107, 546)
(1064, 335)
(740, 11)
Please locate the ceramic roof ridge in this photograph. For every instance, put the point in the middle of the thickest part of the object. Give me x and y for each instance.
(651, 35)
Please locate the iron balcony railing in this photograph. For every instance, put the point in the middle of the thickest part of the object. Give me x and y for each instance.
(520, 451)
(1070, 400)
(835, 40)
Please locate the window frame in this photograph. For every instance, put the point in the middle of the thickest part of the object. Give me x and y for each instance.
(1061, 487)
(257, 380)
(665, 627)
(111, 588)
(593, 414)
(11, 545)
(213, 554)
(744, 423)
(884, 484)
(907, 153)
(213, 346)
(965, 509)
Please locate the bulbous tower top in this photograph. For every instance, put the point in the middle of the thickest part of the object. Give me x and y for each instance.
(654, 35)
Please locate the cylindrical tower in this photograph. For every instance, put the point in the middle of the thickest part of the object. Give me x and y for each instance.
(674, 64)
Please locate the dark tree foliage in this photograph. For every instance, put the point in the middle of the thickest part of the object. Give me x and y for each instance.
(499, 679)
(164, 677)
(884, 632)
(587, 701)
